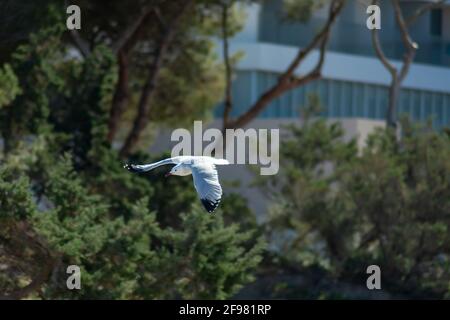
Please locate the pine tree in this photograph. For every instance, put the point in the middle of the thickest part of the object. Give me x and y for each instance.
(65, 198)
(340, 210)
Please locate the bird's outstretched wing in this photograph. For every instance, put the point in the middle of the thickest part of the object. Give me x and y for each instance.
(150, 166)
(206, 182)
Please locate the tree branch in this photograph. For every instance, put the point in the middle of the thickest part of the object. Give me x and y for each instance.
(228, 98)
(23, 234)
(148, 91)
(122, 48)
(407, 41)
(335, 8)
(160, 18)
(422, 10)
(80, 43)
(128, 34)
(407, 61)
(121, 95)
(409, 44)
(316, 72)
(286, 81)
(379, 51)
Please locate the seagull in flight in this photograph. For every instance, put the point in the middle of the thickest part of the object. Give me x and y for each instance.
(204, 173)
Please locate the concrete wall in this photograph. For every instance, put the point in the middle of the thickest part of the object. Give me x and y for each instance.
(341, 66)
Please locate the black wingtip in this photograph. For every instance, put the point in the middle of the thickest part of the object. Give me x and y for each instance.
(131, 167)
(209, 205)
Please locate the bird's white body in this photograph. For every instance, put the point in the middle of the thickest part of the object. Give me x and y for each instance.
(204, 173)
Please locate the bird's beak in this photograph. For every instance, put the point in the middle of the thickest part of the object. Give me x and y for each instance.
(167, 174)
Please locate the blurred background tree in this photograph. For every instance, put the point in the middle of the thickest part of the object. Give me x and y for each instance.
(66, 199)
(339, 210)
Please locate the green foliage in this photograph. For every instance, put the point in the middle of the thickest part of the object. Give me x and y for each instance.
(13, 191)
(132, 256)
(76, 224)
(33, 65)
(204, 258)
(81, 110)
(387, 204)
(191, 68)
(9, 86)
(66, 199)
(195, 79)
(17, 20)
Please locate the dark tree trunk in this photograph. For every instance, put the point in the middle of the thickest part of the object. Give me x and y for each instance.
(391, 114)
(121, 96)
(148, 92)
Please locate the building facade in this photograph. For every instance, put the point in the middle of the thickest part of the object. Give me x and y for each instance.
(354, 87)
(354, 83)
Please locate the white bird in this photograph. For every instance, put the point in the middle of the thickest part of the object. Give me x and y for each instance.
(204, 173)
